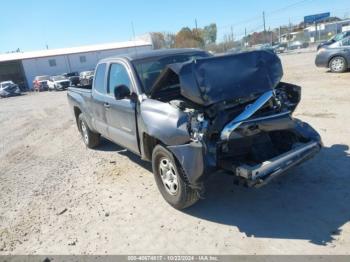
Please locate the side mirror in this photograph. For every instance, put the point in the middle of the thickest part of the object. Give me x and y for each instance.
(121, 92)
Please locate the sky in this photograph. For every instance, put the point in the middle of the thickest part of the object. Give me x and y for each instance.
(32, 24)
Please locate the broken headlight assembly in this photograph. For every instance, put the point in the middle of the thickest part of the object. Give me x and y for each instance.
(198, 126)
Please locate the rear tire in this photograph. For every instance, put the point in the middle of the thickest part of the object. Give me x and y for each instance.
(171, 179)
(90, 138)
(338, 64)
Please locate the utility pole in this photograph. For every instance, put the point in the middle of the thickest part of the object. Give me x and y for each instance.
(279, 34)
(271, 36)
(289, 33)
(195, 22)
(315, 39)
(245, 36)
(264, 22)
(231, 33)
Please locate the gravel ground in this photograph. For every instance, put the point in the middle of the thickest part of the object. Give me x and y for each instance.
(58, 197)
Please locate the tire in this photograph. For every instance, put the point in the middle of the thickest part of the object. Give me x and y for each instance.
(338, 64)
(171, 179)
(90, 138)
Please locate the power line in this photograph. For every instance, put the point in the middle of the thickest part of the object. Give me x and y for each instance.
(255, 18)
(288, 6)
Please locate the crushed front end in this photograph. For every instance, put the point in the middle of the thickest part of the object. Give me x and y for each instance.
(238, 122)
(256, 140)
(264, 140)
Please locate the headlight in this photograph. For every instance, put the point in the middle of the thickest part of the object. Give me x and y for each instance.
(321, 50)
(198, 126)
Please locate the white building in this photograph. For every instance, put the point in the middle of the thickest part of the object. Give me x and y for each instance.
(23, 67)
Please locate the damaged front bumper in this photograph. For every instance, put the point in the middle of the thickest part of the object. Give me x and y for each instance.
(261, 174)
(254, 147)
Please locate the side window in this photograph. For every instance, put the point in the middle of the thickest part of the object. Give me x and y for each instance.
(118, 76)
(346, 42)
(52, 62)
(99, 80)
(82, 59)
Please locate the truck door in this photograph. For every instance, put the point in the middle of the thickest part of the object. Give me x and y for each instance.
(121, 113)
(99, 93)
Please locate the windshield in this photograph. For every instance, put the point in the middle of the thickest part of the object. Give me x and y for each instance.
(86, 73)
(71, 74)
(6, 84)
(338, 37)
(58, 78)
(149, 70)
(41, 78)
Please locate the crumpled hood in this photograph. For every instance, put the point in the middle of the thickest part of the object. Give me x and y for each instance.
(206, 81)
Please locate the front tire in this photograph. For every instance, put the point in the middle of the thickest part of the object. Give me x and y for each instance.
(170, 179)
(90, 138)
(338, 64)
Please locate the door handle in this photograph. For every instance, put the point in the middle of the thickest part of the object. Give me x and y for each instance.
(107, 105)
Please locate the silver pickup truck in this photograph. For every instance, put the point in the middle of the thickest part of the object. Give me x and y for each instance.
(192, 114)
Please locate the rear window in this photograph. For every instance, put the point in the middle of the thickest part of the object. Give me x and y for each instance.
(41, 78)
(99, 81)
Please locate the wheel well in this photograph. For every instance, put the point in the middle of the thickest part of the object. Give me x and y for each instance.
(77, 112)
(149, 143)
(330, 59)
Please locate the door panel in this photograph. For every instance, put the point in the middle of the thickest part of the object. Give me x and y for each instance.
(122, 124)
(120, 114)
(99, 93)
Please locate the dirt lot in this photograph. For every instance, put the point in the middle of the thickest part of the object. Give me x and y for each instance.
(57, 197)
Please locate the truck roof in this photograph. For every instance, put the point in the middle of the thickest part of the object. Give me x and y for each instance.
(153, 53)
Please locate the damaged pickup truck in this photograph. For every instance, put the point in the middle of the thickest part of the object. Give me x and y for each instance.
(192, 114)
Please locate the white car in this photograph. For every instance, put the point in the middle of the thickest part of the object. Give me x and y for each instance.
(9, 88)
(58, 83)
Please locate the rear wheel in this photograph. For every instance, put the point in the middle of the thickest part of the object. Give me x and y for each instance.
(90, 138)
(170, 179)
(338, 64)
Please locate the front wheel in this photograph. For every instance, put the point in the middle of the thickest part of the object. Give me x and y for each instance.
(170, 179)
(90, 138)
(338, 64)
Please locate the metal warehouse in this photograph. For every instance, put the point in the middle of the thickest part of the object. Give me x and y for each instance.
(23, 67)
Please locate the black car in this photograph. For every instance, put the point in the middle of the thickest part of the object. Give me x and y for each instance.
(86, 78)
(73, 77)
(336, 56)
(336, 38)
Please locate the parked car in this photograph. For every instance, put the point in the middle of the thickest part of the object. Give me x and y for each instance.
(73, 78)
(86, 78)
(279, 48)
(192, 114)
(297, 45)
(336, 56)
(57, 83)
(336, 38)
(263, 47)
(9, 88)
(40, 83)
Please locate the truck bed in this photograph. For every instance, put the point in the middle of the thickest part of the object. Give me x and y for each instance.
(86, 87)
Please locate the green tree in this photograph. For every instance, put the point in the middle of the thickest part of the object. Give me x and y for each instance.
(158, 40)
(210, 33)
(189, 38)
